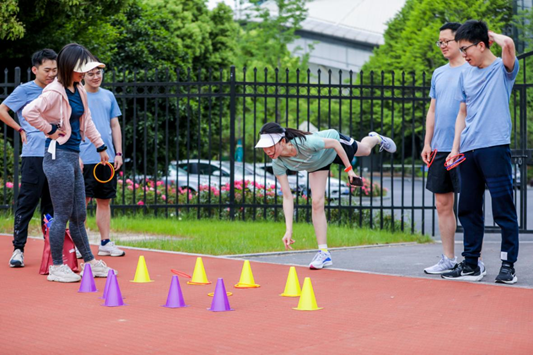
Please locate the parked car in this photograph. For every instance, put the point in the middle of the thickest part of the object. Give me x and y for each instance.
(179, 177)
(298, 182)
(218, 172)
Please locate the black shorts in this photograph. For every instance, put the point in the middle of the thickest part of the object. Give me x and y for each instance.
(95, 189)
(440, 180)
(350, 150)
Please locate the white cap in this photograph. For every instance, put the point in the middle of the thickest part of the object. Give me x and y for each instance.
(269, 139)
(84, 68)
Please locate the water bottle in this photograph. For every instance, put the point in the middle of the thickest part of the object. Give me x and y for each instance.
(49, 219)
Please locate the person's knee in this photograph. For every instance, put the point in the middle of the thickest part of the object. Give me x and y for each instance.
(444, 205)
(363, 150)
(318, 204)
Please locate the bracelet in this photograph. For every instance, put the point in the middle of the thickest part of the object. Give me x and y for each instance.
(118, 154)
(348, 169)
(21, 130)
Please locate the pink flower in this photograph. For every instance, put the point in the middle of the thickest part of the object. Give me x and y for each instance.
(120, 181)
(159, 183)
(121, 173)
(140, 203)
(130, 188)
(163, 197)
(129, 181)
(136, 186)
(9, 185)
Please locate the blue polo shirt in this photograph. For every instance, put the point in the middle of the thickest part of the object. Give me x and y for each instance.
(19, 98)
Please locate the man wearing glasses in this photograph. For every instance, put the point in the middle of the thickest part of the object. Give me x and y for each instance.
(483, 135)
(440, 128)
(105, 111)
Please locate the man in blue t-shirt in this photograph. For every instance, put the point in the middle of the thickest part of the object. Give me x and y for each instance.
(105, 112)
(34, 185)
(440, 127)
(483, 135)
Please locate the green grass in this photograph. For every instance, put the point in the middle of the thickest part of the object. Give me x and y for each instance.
(216, 237)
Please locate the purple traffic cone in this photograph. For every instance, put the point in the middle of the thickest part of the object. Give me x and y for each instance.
(110, 276)
(87, 280)
(114, 296)
(175, 297)
(220, 298)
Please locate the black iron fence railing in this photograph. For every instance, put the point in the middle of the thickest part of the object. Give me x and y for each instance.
(188, 141)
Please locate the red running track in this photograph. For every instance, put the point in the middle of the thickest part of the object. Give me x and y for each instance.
(363, 313)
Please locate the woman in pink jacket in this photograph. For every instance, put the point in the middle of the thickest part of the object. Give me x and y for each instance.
(62, 113)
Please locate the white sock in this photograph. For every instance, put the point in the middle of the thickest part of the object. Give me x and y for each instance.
(323, 247)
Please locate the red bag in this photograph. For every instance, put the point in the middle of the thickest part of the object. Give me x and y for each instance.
(69, 253)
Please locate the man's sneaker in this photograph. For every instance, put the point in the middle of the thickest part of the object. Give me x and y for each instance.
(482, 267)
(17, 259)
(100, 269)
(463, 271)
(320, 260)
(110, 249)
(507, 274)
(78, 254)
(385, 144)
(62, 273)
(444, 265)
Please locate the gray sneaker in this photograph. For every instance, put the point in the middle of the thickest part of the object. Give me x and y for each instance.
(385, 144)
(62, 273)
(100, 269)
(17, 259)
(110, 249)
(320, 260)
(444, 265)
(482, 267)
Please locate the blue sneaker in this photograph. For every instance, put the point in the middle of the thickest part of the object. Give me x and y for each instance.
(320, 260)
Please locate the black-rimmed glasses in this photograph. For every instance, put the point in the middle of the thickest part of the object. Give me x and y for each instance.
(464, 49)
(443, 43)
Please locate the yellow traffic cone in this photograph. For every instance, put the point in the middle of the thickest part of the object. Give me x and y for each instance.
(247, 278)
(199, 277)
(307, 299)
(292, 287)
(141, 275)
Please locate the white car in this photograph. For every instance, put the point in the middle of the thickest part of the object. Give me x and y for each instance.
(218, 173)
(298, 182)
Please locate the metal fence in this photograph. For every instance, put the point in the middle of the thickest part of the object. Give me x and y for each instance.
(189, 136)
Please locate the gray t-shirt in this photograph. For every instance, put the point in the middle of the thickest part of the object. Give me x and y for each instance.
(312, 155)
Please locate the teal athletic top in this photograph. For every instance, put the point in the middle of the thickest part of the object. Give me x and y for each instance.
(312, 155)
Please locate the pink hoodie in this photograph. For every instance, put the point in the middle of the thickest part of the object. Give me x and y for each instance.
(52, 107)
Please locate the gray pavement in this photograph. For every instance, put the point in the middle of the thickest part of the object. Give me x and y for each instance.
(410, 259)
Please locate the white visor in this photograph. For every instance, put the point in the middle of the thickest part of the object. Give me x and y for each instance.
(84, 68)
(269, 139)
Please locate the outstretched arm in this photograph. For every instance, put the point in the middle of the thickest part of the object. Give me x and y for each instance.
(288, 209)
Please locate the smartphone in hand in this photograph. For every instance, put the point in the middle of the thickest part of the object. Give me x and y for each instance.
(356, 181)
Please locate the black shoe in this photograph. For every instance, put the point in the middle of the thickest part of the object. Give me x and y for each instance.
(507, 274)
(464, 271)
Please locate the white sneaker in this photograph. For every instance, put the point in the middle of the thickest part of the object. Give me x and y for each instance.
(62, 273)
(482, 267)
(320, 260)
(17, 259)
(78, 254)
(444, 265)
(110, 249)
(386, 143)
(100, 269)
